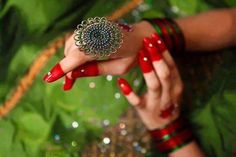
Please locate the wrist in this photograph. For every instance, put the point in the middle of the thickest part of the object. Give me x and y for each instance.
(171, 34)
(172, 137)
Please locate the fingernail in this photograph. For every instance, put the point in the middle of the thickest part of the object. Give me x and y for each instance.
(55, 73)
(124, 86)
(126, 27)
(159, 42)
(86, 70)
(69, 82)
(144, 62)
(167, 112)
(152, 49)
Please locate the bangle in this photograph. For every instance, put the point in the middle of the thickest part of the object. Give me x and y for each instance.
(165, 32)
(171, 33)
(179, 32)
(172, 137)
(159, 134)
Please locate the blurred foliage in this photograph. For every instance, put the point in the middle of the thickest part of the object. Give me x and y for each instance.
(45, 111)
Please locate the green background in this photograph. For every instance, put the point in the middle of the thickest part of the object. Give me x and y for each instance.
(45, 111)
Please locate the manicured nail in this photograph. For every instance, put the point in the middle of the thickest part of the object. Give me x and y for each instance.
(167, 112)
(126, 27)
(124, 86)
(69, 82)
(55, 73)
(159, 42)
(145, 62)
(152, 49)
(86, 70)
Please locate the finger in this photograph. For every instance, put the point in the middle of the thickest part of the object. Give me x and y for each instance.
(177, 85)
(161, 69)
(69, 44)
(69, 82)
(109, 67)
(158, 42)
(126, 89)
(168, 111)
(150, 77)
(86, 70)
(65, 65)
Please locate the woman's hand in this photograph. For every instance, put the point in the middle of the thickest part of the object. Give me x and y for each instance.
(73, 65)
(159, 105)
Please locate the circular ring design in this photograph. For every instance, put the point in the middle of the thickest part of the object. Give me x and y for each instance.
(98, 36)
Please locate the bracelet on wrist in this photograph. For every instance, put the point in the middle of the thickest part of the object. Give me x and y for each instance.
(172, 137)
(171, 34)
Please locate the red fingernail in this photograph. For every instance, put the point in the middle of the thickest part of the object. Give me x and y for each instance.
(124, 86)
(55, 73)
(144, 62)
(69, 82)
(159, 42)
(125, 27)
(152, 49)
(168, 112)
(88, 69)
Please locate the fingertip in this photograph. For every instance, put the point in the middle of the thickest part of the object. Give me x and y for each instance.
(144, 62)
(54, 74)
(166, 113)
(147, 42)
(159, 42)
(152, 49)
(124, 86)
(68, 83)
(86, 70)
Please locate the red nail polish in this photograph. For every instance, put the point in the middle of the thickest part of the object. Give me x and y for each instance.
(124, 86)
(152, 49)
(69, 82)
(168, 112)
(86, 70)
(55, 73)
(159, 42)
(125, 27)
(144, 62)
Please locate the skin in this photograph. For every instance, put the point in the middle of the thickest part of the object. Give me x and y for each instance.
(212, 31)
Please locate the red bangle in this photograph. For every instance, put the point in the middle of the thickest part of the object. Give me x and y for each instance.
(172, 143)
(179, 33)
(166, 35)
(175, 36)
(169, 129)
(171, 33)
(173, 136)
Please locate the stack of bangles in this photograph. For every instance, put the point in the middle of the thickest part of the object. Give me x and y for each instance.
(172, 137)
(171, 34)
(177, 134)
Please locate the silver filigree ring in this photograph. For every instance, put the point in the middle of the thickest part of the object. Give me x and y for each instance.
(98, 37)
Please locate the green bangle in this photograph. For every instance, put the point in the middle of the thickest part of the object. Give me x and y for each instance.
(156, 27)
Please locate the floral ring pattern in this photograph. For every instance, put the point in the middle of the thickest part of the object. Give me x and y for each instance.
(98, 36)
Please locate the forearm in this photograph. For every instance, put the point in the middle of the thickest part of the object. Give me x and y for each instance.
(209, 31)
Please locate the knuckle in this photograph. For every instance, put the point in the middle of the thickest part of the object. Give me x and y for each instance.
(121, 70)
(171, 66)
(179, 90)
(136, 102)
(154, 86)
(165, 75)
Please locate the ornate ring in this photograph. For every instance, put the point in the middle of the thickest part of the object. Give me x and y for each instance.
(98, 37)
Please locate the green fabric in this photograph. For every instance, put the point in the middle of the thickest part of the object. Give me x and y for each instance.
(45, 111)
